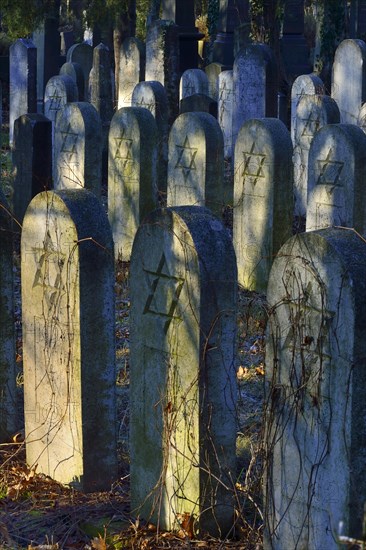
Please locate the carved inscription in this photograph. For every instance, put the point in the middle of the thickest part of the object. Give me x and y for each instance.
(50, 265)
(186, 158)
(68, 146)
(252, 169)
(329, 170)
(54, 101)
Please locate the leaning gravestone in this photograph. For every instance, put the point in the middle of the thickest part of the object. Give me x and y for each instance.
(78, 148)
(196, 163)
(315, 436)
(349, 79)
(304, 85)
(83, 55)
(68, 341)
(255, 85)
(9, 421)
(337, 173)
(263, 198)
(183, 389)
(225, 110)
(32, 160)
(313, 112)
(193, 81)
(74, 70)
(60, 89)
(132, 175)
(152, 96)
(22, 81)
(131, 69)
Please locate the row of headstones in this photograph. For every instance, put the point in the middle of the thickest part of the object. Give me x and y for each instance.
(182, 402)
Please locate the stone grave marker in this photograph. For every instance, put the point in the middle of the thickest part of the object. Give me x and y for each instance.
(132, 174)
(101, 89)
(198, 103)
(349, 79)
(337, 172)
(46, 39)
(255, 85)
(32, 160)
(131, 69)
(315, 378)
(304, 85)
(152, 95)
(313, 112)
(196, 163)
(68, 339)
(74, 70)
(78, 148)
(225, 110)
(183, 388)
(60, 89)
(263, 198)
(212, 71)
(193, 81)
(82, 54)
(22, 81)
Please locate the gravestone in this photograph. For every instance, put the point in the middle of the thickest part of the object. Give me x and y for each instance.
(78, 148)
(263, 198)
(162, 61)
(304, 85)
(357, 19)
(22, 81)
(60, 89)
(337, 172)
(9, 421)
(361, 121)
(131, 69)
(294, 49)
(255, 85)
(349, 79)
(231, 14)
(213, 71)
(132, 174)
(68, 341)
(152, 95)
(82, 54)
(225, 110)
(193, 81)
(196, 162)
(46, 39)
(32, 160)
(198, 103)
(315, 436)
(183, 389)
(74, 70)
(100, 83)
(313, 112)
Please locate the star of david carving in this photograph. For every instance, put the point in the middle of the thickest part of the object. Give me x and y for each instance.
(124, 148)
(311, 126)
(55, 101)
(330, 170)
(164, 294)
(186, 158)
(225, 93)
(253, 165)
(189, 89)
(143, 103)
(69, 142)
(47, 277)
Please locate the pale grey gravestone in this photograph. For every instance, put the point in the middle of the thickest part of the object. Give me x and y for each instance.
(47, 40)
(198, 103)
(32, 160)
(75, 71)
(78, 148)
(9, 417)
(60, 89)
(336, 178)
(162, 60)
(152, 95)
(101, 88)
(255, 78)
(361, 121)
(68, 339)
(132, 174)
(196, 163)
(349, 79)
(82, 54)
(22, 81)
(183, 388)
(213, 71)
(304, 85)
(225, 110)
(193, 81)
(131, 69)
(315, 433)
(313, 112)
(263, 198)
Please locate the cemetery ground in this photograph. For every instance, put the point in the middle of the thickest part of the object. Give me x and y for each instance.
(39, 513)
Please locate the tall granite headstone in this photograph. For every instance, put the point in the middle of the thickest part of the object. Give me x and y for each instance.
(82, 54)
(131, 69)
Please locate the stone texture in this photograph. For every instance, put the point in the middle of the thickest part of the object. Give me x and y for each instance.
(131, 69)
(82, 54)
(196, 162)
(193, 81)
(75, 71)
(132, 174)
(78, 148)
(337, 172)
(304, 85)
(59, 90)
(263, 198)
(68, 341)
(225, 110)
(198, 103)
(183, 389)
(46, 39)
(315, 378)
(212, 71)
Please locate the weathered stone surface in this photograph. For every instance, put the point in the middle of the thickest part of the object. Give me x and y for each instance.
(82, 54)
(193, 81)
(225, 110)
(131, 69)
(315, 378)
(74, 70)
(196, 162)
(68, 339)
(78, 148)
(100, 83)
(304, 85)
(212, 71)
(132, 174)
(337, 173)
(46, 39)
(60, 89)
(198, 103)
(183, 429)
(263, 198)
